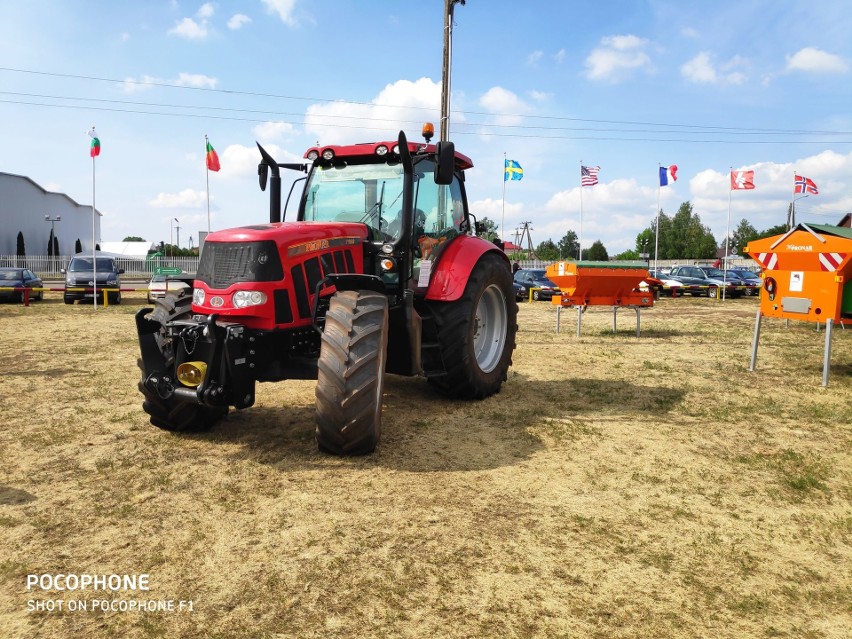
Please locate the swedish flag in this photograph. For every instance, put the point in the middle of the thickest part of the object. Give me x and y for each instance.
(512, 171)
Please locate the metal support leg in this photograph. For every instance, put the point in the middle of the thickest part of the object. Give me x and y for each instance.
(826, 359)
(754, 343)
(558, 315)
(638, 321)
(614, 322)
(579, 318)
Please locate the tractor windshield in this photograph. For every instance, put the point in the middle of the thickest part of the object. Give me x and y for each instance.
(372, 194)
(368, 193)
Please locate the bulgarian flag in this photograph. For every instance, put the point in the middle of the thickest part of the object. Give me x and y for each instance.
(95, 149)
(212, 157)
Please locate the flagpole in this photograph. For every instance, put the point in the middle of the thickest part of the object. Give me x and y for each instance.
(727, 235)
(207, 171)
(580, 252)
(94, 241)
(791, 215)
(657, 229)
(503, 219)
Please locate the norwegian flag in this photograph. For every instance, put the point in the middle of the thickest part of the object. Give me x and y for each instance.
(805, 185)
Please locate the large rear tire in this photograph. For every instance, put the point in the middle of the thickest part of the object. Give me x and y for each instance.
(170, 414)
(476, 333)
(351, 371)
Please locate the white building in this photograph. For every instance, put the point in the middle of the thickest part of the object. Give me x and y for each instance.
(23, 207)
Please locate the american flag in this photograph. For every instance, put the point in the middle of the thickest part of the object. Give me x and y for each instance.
(589, 175)
(805, 185)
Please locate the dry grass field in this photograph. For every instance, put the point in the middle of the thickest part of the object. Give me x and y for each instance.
(616, 487)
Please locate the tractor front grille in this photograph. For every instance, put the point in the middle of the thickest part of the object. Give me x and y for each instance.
(225, 263)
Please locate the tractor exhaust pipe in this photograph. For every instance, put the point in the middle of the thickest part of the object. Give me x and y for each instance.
(275, 187)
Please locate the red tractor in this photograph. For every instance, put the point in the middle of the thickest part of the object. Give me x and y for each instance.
(381, 272)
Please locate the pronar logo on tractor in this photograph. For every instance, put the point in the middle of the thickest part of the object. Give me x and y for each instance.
(344, 294)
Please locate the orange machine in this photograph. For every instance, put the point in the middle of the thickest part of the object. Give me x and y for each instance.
(600, 283)
(614, 284)
(807, 276)
(807, 273)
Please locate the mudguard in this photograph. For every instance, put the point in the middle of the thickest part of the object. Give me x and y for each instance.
(455, 264)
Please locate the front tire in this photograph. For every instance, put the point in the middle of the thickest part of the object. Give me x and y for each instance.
(476, 333)
(170, 414)
(351, 371)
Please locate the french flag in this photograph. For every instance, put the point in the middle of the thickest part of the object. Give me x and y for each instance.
(668, 174)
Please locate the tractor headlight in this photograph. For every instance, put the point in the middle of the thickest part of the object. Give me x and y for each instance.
(71, 280)
(242, 299)
(198, 296)
(112, 282)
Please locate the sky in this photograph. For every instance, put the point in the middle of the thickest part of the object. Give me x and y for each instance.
(626, 85)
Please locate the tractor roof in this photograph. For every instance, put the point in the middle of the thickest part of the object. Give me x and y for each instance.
(374, 149)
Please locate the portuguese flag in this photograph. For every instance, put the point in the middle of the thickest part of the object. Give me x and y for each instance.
(95, 149)
(212, 157)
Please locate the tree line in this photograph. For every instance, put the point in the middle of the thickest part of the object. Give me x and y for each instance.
(681, 236)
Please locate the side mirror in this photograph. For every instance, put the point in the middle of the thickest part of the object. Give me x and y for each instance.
(62, 270)
(262, 174)
(120, 271)
(445, 168)
(480, 227)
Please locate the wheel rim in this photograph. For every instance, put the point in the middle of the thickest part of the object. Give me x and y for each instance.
(490, 326)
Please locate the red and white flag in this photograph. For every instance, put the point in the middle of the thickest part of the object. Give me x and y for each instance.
(742, 180)
(804, 185)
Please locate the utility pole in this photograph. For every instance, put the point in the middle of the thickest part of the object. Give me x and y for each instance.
(449, 7)
(52, 240)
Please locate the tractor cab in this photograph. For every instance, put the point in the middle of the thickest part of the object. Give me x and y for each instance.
(409, 196)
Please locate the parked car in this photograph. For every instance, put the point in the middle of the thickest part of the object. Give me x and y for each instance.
(751, 280)
(661, 282)
(11, 277)
(704, 280)
(521, 292)
(533, 278)
(159, 285)
(80, 276)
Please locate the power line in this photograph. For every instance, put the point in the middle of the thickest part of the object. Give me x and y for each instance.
(361, 118)
(702, 128)
(458, 130)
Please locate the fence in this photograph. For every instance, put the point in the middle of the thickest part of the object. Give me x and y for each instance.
(47, 266)
(738, 262)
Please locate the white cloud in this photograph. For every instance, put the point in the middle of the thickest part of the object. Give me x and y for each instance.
(812, 60)
(617, 56)
(240, 162)
(689, 32)
(534, 57)
(186, 199)
(269, 131)
(701, 70)
(508, 108)
(391, 110)
(196, 80)
(206, 10)
(189, 29)
(540, 96)
(560, 56)
(283, 8)
(132, 85)
(238, 20)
